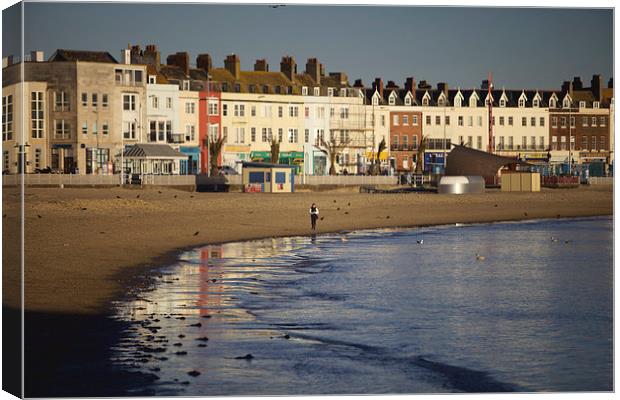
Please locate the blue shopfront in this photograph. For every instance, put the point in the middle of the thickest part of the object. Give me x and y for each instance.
(191, 166)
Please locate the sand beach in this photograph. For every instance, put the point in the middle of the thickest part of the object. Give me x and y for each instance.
(83, 246)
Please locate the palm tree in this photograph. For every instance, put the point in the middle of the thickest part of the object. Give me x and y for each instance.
(215, 147)
(275, 150)
(375, 169)
(332, 147)
(419, 166)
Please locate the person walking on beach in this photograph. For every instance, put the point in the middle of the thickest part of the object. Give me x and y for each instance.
(314, 215)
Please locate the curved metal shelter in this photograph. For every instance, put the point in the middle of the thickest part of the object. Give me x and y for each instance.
(465, 161)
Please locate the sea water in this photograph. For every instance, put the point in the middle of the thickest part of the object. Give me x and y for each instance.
(377, 312)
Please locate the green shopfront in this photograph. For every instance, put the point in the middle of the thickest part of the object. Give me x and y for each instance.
(286, 157)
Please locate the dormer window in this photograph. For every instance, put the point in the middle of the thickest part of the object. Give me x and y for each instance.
(473, 102)
(536, 103)
(425, 101)
(185, 85)
(486, 102)
(441, 102)
(375, 101)
(224, 87)
(458, 101)
(582, 104)
(566, 103)
(304, 90)
(152, 79)
(407, 101)
(317, 91)
(237, 88)
(330, 92)
(343, 92)
(252, 88)
(596, 104)
(552, 103)
(265, 88)
(502, 103)
(521, 103)
(392, 100)
(277, 89)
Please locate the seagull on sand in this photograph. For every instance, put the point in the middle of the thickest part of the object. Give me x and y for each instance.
(479, 257)
(421, 241)
(554, 239)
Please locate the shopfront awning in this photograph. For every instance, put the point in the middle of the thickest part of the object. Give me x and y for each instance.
(383, 156)
(260, 155)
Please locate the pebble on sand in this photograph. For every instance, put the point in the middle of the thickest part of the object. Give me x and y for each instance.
(202, 345)
(181, 353)
(196, 233)
(198, 325)
(246, 357)
(203, 339)
(193, 373)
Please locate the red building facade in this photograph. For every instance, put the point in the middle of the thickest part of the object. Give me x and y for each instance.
(210, 122)
(405, 136)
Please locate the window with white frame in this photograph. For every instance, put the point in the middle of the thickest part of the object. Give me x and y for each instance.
(470, 121)
(95, 128)
(304, 90)
(584, 143)
(428, 120)
(105, 128)
(596, 104)
(151, 79)
(383, 120)
(501, 121)
(602, 142)
(224, 110)
(155, 102)
(533, 121)
(185, 85)
(343, 92)
(95, 100)
(330, 92)
(447, 120)
(190, 107)
(593, 143)
(212, 108)
(280, 135)
(129, 102)
(572, 122)
(541, 142)
(36, 108)
(472, 101)
(395, 119)
(293, 111)
(85, 128)
(169, 102)
(479, 120)
(61, 130)
(239, 135)
(441, 102)
(414, 120)
(437, 120)
(84, 99)
(602, 121)
(582, 104)
(521, 102)
(562, 122)
(554, 122)
(37, 158)
(129, 130)
(593, 122)
(375, 101)
(479, 142)
(306, 135)
(104, 100)
(344, 113)
(213, 132)
(536, 103)
(502, 102)
(425, 101)
(524, 142)
(317, 91)
(61, 101)
(405, 120)
(541, 121)
(225, 134)
(253, 135)
(392, 100)
(457, 101)
(280, 111)
(407, 101)
(552, 103)
(566, 103)
(584, 121)
(523, 121)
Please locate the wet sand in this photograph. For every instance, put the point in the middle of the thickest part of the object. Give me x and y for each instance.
(84, 245)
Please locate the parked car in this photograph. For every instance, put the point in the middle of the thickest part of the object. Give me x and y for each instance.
(226, 170)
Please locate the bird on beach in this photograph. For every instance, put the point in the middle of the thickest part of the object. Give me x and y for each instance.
(196, 233)
(420, 242)
(479, 257)
(553, 239)
(344, 238)
(118, 197)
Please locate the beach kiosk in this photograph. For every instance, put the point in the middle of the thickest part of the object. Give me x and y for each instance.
(261, 177)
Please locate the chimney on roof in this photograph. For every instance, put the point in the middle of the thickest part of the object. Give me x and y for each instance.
(341, 77)
(377, 85)
(36, 56)
(410, 84)
(610, 83)
(322, 69)
(288, 67)
(261, 65)
(391, 85)
(179, 59)
(485, 84)
(233, 65)
(358, 83)
(150, 56)
(313, 68)
(596, 87)
(577, 84)
(126, 56)
(203, 61)
(567, 87)
(424, 85)
(443, 87)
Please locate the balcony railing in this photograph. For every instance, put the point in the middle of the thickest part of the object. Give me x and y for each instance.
(175, 138)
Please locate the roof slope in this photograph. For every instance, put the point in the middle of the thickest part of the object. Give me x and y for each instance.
(152, 150)
(82, 55)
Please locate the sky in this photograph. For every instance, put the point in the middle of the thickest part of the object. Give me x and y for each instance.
(534, 48)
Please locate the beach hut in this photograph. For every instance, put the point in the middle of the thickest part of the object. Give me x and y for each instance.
(155, 159)
(268, 178)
